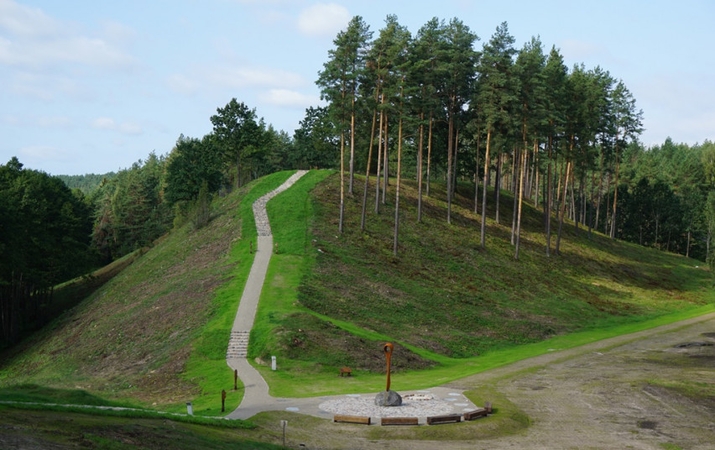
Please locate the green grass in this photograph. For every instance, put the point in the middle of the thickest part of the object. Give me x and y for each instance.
(63, 428)
(207, 365)
(445, 300)
(155, 335)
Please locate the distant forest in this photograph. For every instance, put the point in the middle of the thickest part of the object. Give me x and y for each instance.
(429, 106)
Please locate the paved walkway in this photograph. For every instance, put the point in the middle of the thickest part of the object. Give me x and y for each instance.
(256, 397)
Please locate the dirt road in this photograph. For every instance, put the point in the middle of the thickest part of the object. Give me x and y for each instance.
(650, 390)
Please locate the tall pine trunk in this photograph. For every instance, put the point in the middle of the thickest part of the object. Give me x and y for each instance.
(450, 131)
(484, 193)
(497, 187)
(476, 177)
(386, 161)
(342, 181)
(615, 195)
(397, 187)
(429, 155)
(380, 145)
(562, 211)
(514, 168)
(419, 167)
(549, 197)
(352, 147)
(521, 203)
(367, 171)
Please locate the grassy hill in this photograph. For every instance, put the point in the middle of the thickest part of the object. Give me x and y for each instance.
(156, 334)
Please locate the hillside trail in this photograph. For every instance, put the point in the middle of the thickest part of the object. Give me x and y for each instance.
(255, 397)
(598, 395)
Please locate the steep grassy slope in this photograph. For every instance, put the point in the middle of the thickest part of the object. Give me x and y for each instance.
(142, 336)
(444, 299)
(157, 333)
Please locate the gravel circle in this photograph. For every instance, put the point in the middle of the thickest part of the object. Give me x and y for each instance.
(364, 405)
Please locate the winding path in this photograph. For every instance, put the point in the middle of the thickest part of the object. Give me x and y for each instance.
(255, 397)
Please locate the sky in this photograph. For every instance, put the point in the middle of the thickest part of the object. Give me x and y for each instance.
(94, 86)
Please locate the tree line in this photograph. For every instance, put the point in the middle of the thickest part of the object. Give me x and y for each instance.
(431, 107)
(501, 117)
(50, 233)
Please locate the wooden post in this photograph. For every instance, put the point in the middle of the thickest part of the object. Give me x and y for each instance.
(388, 355)
(235, 379)
(250, 247)
(223, 400)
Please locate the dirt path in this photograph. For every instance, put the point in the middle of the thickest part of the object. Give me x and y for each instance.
(610, 394)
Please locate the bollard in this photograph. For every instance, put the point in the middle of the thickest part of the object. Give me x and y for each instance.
(273, 363)
(284, 423)
(189, 409)
(223, 400)
(235, 379)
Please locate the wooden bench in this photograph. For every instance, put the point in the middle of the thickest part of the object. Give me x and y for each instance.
(345, 372)
(447, 418)
(351, 419)
(398, 421)
(477, 413)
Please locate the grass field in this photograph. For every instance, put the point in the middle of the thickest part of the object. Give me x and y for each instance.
(155, 335)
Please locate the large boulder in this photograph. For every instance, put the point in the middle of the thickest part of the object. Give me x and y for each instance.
(388, 398)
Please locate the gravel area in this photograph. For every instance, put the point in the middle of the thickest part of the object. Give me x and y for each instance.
(421, 404)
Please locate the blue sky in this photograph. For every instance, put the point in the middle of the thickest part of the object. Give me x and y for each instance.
(94, 86)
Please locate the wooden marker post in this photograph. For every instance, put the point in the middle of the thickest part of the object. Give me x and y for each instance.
(223, 400)
(235, 379)
(388, 355)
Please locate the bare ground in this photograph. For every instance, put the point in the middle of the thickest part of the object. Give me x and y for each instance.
(650, 390)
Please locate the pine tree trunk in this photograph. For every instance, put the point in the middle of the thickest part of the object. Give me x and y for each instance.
(454, 162)
(352, 148)
(450, 131)
(367, 171)
(397, 187)
(342, 181)
(497, 187)
(429, 155)
(476, 178)
(386, 162)
(557, 249)
(515, 189)
(484, 190)
(615, 196)
(419, 167)
(535, 170)
(521, 203)
(549, 199)
(380, 145)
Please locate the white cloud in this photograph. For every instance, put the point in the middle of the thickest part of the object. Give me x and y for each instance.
(34, 39)
(42, 153)
(54, 122)
(103, 123)
(130, 128)
(182, 84)
(323, 19)
(254, 77)
(107, 123)
(25, 21)
(285, 97)
(580, 50)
